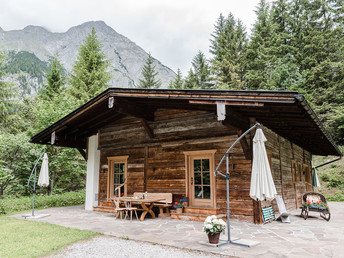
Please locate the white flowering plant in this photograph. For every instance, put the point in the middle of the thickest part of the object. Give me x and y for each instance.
(212, 225)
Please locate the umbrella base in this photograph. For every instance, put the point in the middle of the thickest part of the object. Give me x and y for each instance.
(36, 216)
(239, 241)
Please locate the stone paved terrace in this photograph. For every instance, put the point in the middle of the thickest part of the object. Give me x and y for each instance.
(313, 237)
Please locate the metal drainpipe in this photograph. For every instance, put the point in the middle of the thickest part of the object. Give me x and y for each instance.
(329, 162)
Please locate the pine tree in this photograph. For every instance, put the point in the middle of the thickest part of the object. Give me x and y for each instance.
(281, 26)
(259, 51)
(178, 82)
(201, 71)
(89, 76)
(55, 80)
(228, 47)
(190, 81)
(149, 74)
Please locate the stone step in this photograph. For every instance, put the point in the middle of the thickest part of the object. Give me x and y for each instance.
(194, 216)
(104, 209)
(201, 210)
(107, 204)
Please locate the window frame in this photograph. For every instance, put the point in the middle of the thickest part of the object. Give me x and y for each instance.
(110, 181)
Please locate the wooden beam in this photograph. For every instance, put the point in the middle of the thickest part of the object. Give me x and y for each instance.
(72, 142)
(149, 130)
(245, 146)
(130, 108)
(235, 119)
(83, 153)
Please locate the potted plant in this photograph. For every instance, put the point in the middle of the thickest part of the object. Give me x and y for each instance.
(185, 200)
(213, 227)
(179, 207)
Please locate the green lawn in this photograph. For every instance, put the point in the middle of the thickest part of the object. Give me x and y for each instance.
(24, 238)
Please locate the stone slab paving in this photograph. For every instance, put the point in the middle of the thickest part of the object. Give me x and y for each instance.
(313, 237)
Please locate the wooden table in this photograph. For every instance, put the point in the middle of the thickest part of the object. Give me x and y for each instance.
(146, 204)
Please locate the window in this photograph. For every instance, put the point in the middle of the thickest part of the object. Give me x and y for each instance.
(293, 170)
(308, 177)
(299, 171)
(201, 178)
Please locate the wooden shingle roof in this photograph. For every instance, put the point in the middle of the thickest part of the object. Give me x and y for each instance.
(285, 112)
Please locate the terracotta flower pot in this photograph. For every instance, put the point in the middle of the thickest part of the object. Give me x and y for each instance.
(214, 239)
(179, 210)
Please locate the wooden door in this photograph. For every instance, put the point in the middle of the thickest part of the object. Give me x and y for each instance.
(201, 179)
(117, 176)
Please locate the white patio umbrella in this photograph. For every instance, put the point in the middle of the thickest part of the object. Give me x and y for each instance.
(43, 179)
(262, 183)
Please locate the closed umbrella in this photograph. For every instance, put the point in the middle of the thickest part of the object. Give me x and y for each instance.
(262, 183)
(43, 179)
(315, 180)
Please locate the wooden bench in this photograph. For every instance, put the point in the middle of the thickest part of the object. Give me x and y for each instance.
(164, 203)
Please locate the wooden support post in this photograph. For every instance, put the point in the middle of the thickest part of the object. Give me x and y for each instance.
(83, 153)
(145, 169)
(257, 212)
(149, 130)
(245, 146)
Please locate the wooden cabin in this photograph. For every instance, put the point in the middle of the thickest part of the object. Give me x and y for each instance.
(170, 141)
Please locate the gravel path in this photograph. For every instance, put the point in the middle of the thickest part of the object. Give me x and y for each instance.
(106, 246)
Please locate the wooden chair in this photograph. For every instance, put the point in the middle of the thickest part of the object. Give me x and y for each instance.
(283, 213)
(314, 197)
(130, 209)
(119, 210)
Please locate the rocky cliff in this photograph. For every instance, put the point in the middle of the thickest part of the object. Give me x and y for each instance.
(29, 51)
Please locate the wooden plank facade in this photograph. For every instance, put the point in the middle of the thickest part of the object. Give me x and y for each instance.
(170, 141)
(160, 164)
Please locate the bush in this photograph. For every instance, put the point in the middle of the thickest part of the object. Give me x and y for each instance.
(9, 205)
(336, 198)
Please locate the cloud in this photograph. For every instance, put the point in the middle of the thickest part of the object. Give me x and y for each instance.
(173, 31)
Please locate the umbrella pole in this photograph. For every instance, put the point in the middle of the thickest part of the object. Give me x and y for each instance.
(34, 193)
(228, 211)
(34, 184)
(227, 176)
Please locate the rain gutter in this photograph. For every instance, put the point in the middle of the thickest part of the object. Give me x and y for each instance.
(329, 162)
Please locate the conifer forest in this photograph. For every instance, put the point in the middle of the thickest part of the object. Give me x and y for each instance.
(293, 45)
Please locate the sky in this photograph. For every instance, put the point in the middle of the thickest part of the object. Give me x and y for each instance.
(172, 31)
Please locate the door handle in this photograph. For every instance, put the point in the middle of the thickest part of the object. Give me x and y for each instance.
(191, 180)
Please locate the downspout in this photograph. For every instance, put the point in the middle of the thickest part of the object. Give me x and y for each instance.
(329, 162)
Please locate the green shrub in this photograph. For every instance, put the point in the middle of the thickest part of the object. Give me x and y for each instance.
(325, 177)
(9, 205)
(2, 207)
(336, 198)
(336, 181)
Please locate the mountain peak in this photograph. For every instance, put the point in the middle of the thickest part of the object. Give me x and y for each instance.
(33, 28)
(126, 58)
(100, 26)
